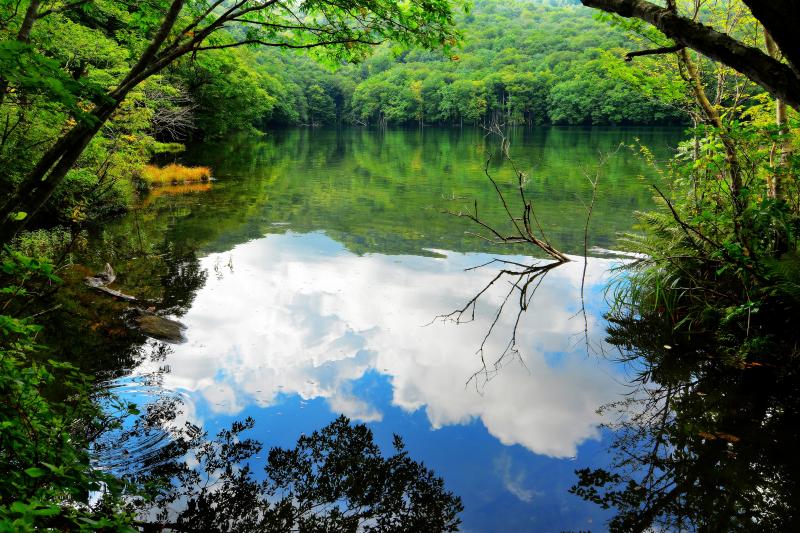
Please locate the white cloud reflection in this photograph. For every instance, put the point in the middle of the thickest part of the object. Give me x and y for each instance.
(299, 315)
(512, 478)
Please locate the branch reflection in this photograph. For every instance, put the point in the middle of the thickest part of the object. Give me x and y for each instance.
(523, 282)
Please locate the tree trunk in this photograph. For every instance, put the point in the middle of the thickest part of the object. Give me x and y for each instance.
(23, 36)
(51, 170)
(712, 116)
(784, 145)
(783, 16)
(53, 166)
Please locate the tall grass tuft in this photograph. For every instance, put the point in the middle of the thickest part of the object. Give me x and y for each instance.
(174, 174)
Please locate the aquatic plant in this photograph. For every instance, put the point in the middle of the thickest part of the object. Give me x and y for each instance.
(174, 174)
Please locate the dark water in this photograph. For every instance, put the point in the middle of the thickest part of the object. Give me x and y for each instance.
(311, 272)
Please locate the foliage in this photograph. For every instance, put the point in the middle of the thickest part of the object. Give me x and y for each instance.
(520, 63)
(49, 243)
(706, 317)
(551, 63)
(48, 415)
(174, 174)
(120, 52)
(706, 314)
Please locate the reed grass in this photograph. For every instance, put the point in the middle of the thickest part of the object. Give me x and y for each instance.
(174, 174)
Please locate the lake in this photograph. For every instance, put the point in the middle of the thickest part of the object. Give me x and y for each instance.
(316, 276)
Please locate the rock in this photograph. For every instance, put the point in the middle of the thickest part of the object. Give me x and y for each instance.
(160, 328)
(101, 279)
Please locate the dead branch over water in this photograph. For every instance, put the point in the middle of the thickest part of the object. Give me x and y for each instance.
(524, 224)
(523, 279)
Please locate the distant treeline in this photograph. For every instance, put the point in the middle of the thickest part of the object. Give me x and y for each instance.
(521, 62)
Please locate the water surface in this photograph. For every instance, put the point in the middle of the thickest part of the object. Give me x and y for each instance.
(311, 273)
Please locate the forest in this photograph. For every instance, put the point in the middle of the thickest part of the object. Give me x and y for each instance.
(657, 138)
(537, 70)
(519, 63)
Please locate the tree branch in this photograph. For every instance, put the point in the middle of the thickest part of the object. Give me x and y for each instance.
(777, 78)
(665, 50)
(284, 45)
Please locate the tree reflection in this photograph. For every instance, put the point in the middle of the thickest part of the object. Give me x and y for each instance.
(165, 281)
(702, 442)
(181, 278)
(335, 479)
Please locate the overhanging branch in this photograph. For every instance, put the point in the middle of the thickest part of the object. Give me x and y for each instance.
(654, 51)
(777, 78)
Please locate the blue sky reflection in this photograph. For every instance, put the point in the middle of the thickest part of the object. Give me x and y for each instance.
(293, 329)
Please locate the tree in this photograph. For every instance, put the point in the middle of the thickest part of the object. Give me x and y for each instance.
(514, 70)
(780, 18)
(699, 442)
(180, 28)
(419, 100)
(321, 108)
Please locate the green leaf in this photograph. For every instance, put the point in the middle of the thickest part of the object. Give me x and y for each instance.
(47, 511)
(19, 507)
(34, 472)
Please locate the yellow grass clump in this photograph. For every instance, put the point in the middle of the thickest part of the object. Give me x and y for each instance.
(174, 174)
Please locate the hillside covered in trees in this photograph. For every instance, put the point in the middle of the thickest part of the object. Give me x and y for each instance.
(522, 62)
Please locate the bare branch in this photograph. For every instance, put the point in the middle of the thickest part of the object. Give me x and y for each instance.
(654, 51)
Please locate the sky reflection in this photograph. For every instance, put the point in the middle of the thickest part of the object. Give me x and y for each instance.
(295, 325)
(298, 314)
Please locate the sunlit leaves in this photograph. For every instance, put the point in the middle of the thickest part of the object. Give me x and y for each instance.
(30, 72)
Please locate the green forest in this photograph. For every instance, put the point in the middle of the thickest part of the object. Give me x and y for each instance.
(512, 63)
(151, 134)
(517, 62)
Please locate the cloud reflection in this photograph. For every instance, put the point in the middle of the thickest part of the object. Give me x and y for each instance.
(512, 478)
(301, 315)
